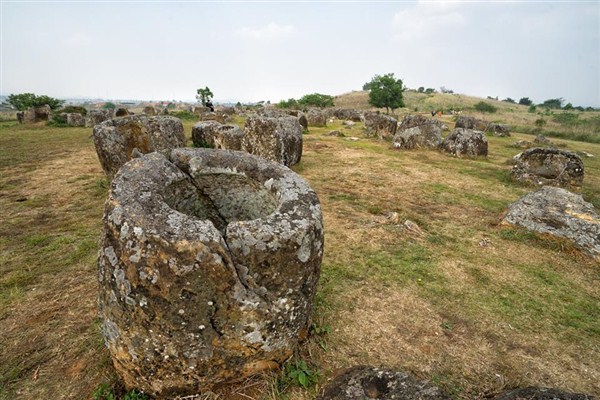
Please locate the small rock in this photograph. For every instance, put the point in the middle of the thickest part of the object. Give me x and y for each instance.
(348, 124)
(522, 144)
(413, 227)
(336, 133)
(584, 154)
(363, 383)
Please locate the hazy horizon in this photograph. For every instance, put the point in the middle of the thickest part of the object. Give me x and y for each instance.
(253, 51)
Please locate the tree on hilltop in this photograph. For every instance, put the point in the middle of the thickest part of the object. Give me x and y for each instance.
(385, 91)
(24, 101)
(204, 95)
(525, 101)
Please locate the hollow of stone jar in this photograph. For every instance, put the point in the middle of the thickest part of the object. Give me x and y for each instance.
(208, 266)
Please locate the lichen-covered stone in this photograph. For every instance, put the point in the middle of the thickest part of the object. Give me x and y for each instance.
(379, 125)
(500, 130)
(418, 131)
(346, 114)
(411, 121)
(117, 138)
(363, 383)
(37, 114)
(548, 166)
(558, 212)
(316, 118)
(542, 393)
(95, 117)
(121, 112)
(467, 122)
(75, 119)
(149, 110)
(277, 139)
(208, 267)
(466, 143)
(213, 134)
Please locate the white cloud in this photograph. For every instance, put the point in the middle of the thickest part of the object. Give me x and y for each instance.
(425, 19)
(267, 32)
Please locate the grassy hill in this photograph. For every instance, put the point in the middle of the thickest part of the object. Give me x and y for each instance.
(474, 306)
(568, 124)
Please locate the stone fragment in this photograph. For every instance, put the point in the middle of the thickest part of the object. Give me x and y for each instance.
(94, 117)
(214, 135)
(499, 130)
(363, 383)
(116, 139)
(379, 125)
(467, 122)
(547, 166)
(336, 133)
(75, 119)
(316, 118)
(37, 114)
(149, 110)
(466, 143)
(522, 144)
(208, 268)
(558, 212)
(542, 393)
(276, 139)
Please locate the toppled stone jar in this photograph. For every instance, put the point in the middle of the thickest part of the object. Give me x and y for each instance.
(207, 269)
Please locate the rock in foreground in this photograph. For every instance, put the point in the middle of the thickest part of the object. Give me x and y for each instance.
(363, 383)
(558, 212)
(117, 138)
(208, 266)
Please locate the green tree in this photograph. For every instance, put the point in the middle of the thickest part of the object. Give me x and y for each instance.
(316, 100)
(25, 100)
(524, 101)
(204, 95)
(289, 103)
(509, 100)
(385, 91)
(109, 105)
(569, 106)
(421, 89)
(553, 103)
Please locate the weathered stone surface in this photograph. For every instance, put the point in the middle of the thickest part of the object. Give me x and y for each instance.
(207, 270)
(37, 114)
(348, 124)
(467, 122)
(363, 383)
(316, 118)
(500, 130)
(204, 115)
(149, 110)
(20, 116)
(346, 114)
(215, 135)
(542, 140)
(117, 138)
(466, 143)
(382, 126)
(419, 136)
(95, 117)
(548, 166)
(558, 212)
(336, 133)
(303, 121)
(121, 112)
(276, 139)
(541, 393)
(522, 144)
(75, 119)
(410, 121)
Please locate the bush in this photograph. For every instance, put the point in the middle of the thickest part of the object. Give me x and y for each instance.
(540, 122)
(185, 114)
(566, 118)
(73, 110)
(532, 108)
(485, 107)
(525, 101)
(289, 103)
(316, 100)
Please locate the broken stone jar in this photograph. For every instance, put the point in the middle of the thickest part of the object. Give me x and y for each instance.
(208, 266)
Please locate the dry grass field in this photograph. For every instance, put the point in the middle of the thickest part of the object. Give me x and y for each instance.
(464, 302)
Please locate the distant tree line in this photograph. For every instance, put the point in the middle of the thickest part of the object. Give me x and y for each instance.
(24, 101)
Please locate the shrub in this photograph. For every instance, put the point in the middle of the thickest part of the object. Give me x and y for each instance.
(316, 100)
(185, 114)
(73, 110)
(540, 122)
(289, 103)
(567, 118)
(525, 101)
(485, 107)
(532, 108)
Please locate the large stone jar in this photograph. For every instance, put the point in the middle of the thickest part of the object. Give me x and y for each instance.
(208, 266)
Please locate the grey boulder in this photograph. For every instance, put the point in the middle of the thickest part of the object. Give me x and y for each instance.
(213, 134)
(466, 143)
(277, 139)
(548, 166)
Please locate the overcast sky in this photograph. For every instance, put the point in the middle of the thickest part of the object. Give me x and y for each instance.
(250, 51)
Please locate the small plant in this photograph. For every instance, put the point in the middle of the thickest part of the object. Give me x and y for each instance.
(298, 373)
(540, 122)
(185, 114)
(103, 392)
(532, 108)
(134, 395)
(319, 333)
(485, 107)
